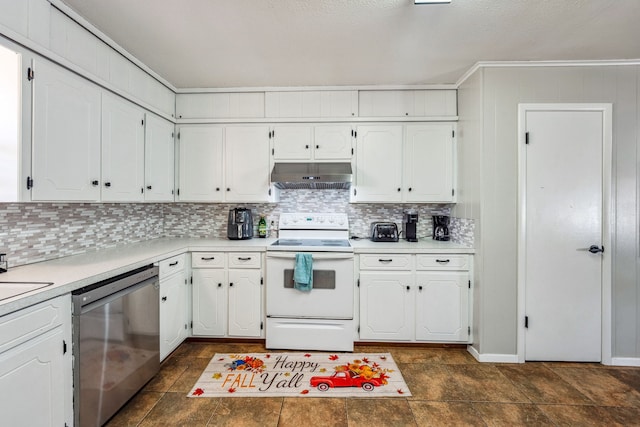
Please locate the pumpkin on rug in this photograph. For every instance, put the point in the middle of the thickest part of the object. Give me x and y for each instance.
(301, 375)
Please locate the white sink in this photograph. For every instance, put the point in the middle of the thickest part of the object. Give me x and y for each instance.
(12, 289)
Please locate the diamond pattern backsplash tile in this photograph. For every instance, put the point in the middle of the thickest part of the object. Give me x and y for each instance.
(32, 232)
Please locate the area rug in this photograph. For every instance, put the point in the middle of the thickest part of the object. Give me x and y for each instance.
(301, 375)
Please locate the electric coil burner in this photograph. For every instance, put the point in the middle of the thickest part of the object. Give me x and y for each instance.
(320, 319)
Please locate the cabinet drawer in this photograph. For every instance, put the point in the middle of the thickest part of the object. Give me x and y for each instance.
(21, 326)
(385, 262)
(244, 260)
(442, 262)
(172, 265)
(207, 259)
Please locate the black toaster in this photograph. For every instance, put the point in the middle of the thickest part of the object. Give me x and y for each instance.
(384, 232)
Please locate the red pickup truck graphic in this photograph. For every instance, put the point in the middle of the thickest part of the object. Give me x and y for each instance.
(345, 379)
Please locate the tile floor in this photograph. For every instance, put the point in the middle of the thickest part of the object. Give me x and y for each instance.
(449, 388)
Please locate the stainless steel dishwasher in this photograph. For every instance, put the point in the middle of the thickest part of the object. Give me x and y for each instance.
(116, 342)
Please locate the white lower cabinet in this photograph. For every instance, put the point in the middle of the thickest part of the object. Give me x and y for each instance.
(174, 324)
(227, 294)
(420, 297)
(36, 365)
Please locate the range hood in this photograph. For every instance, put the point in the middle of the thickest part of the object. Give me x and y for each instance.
(312, 175)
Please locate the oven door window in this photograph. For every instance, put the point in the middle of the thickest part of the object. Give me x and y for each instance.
(322, 279)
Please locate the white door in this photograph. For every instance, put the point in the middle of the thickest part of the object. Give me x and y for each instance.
(247, 172)
(245, 303)
(333, 142)
(429, 166)
(562, 216)
(122, 150)
(378, 164)
(159, 159)
(209, 302)
(387, 303)
(66, 136)
(200, 163)
(292, 142)
(173, 306)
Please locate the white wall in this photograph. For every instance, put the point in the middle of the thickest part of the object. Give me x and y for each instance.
(494, 148)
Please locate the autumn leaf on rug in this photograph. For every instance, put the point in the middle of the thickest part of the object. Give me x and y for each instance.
(301, 375)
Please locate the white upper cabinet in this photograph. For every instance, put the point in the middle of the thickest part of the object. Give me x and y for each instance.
(429, 163)
(311, 142)
(378, 164)
(122, 150)
(220, 105)
(307, 104)
(29, 18)
(159, 159)
(247, 166)
(73, 42)
(408, 103)
(200, 163)
(66, 136)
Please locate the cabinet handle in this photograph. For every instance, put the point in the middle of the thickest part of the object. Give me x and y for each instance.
(442, 261)
(164, 299)
(399, 189)
(148, 187)
(245, 258)
(385, 260)
(173, 264)
(95, 183)
(306, 146)
(420, 288)
(410, 188)
(408, 287)
(210, 258)
(317, 147)
(219, 285)
(228, 189)
(217, 188)
(107, 184)
(231, 285)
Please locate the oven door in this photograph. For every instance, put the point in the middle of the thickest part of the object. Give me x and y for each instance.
(331, 296)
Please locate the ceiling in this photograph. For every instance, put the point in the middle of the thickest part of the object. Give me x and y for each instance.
(267, 43)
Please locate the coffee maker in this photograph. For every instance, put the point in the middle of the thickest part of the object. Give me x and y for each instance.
(240, 225)
(441, 227)
(410, 226)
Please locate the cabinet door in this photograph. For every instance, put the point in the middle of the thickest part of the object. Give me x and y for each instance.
(32, 376)
(442, 306)
(122, 150)
(201, 163)
(378, 163)
(209, 302)
(386, 305)
(173, 313)
(159, 157)
(247, 164)
(333, 142)
(292, 142)
(66, 136)
(429, 163)
(245, 303)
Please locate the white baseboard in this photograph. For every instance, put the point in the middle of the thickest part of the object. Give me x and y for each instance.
(625, 361)
(492, 358)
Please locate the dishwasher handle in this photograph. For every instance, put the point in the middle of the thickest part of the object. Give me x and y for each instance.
(119, 294)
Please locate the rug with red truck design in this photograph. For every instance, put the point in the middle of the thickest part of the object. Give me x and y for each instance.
(301, 375)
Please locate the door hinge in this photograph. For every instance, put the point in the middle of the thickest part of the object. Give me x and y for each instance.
(269, 191)
(178, 135)
(262, 280)
(358, 328)
(469, 284)
(191, 280)
(273, 151)
(358, 282)
(29, 183)
(526, 321)
(453, 192)
(468, 330)
(178, 192)
(526, 137)
(261, 325)
(186, 326)
(173, 135)
(453, 134)
(30, 74)
(142, 122)
(64, 347)
(142, 190)
(191, 324)
(355, 192)
(355, 133)
(186, 281)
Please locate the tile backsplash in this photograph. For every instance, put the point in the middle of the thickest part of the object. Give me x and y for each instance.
(32, 232)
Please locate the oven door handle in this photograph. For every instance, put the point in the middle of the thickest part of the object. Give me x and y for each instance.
(314, 255)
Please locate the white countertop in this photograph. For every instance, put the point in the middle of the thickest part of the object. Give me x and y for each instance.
(73, 272)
